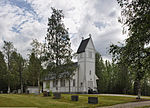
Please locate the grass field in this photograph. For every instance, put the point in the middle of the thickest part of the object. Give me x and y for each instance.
(31, 100)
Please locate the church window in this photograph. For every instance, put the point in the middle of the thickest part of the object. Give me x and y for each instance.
(90, 72)
(81, 84)
(55, 83)
(74, 83)
(62, 82)
(90, 54)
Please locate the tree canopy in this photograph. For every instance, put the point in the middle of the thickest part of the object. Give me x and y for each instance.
(135, 18)
(57, 42)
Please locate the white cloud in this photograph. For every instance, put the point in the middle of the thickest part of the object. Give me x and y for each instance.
(82, 17)
(28, 28)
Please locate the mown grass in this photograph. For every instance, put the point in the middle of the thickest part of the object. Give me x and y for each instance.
(31, 100)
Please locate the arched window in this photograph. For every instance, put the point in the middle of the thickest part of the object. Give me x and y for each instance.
(74, 83)
(62, 82)
(90, 72)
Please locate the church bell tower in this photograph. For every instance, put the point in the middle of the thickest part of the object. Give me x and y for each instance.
(86, 61)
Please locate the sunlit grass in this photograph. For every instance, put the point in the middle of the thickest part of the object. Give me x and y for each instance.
(31, 100)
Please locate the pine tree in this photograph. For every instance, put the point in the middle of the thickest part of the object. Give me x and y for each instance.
(58, 42)
(33, 69)
(38, 50)
(100, 72)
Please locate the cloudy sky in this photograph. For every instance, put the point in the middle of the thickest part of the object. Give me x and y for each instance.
(24, 20)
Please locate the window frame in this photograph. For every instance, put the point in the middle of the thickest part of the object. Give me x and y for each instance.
(62, 82)
(55, 83)
(74, 82)
(90, 72)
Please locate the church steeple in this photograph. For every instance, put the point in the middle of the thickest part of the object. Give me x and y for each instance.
(86, 61)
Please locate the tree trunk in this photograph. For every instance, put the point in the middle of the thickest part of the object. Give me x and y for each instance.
(21, 88)
(8, 89)
(57, 88)
(39, 85)
(21, 84)
(56, 85)
(69, 85)
(139, 90)
(8, 74)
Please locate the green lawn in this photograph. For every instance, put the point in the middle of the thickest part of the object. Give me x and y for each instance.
(16, 100)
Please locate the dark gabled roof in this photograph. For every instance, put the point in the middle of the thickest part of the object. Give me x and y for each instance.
(83, 45)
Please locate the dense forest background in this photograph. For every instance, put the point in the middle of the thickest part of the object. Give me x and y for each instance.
(117, 78)
(113, 77)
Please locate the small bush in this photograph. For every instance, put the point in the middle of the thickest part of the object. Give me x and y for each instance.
(50, 93)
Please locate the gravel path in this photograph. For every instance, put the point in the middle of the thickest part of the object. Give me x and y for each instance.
(128, 105)
(124, 95)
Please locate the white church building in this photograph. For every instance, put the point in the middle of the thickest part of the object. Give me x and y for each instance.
(84, 77)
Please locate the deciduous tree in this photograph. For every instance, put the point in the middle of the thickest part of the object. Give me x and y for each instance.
(136, 17)
(3, 71)
(34, 69)
(38, 50)
(8, 48)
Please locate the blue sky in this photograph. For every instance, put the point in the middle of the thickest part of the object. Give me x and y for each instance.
(24, 20)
